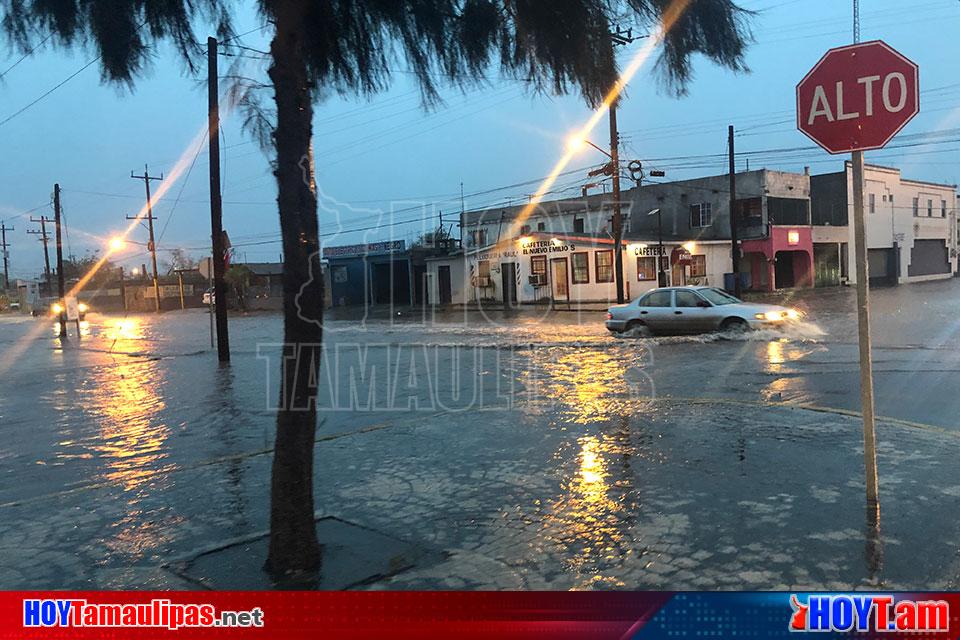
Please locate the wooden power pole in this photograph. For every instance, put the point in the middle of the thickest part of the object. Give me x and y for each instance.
(152, 246)
(734, 240)
(5, 249)
(61, 285)
(216, 205)
(617, 209)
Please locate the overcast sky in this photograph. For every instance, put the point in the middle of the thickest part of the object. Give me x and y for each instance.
(387, 154)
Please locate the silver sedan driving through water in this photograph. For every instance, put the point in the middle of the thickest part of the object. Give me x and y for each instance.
(679, 310)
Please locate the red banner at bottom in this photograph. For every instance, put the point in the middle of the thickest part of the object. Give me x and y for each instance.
(401, 615)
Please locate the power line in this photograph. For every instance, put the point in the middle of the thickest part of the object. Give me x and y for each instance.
(25, 56)
(48, 92)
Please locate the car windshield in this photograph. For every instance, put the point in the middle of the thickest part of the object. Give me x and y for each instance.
(718, 297)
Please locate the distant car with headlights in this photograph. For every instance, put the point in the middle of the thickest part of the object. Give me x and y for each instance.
(56, 308)
(692, 310)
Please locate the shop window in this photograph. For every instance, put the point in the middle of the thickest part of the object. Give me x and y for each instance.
(340, 274)
(604, 260)
(929, 208)
(698, 266)
(943, 208)
(701, 215)
(525, 229)
(916, 207)
(483, 274)
(581, 268)
(578, 225)
(541, 226)
(646, 268)
(538, 268)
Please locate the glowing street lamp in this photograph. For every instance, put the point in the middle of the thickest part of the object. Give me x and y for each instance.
(117, 244)
(576, 142)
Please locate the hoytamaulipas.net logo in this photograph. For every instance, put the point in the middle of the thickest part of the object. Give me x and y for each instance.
(868, 613)
(64, 612)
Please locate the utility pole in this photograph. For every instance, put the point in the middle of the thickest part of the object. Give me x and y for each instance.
(4, 247)
(619, 38)
(216, 205)
(734, 242)
(146, 177)
(45, 239)
(61, 288)
(617, 211)
(462, 213)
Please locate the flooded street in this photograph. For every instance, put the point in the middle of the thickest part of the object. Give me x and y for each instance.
(529, 451)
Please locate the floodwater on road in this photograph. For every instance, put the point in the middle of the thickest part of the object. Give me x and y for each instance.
(534, 448)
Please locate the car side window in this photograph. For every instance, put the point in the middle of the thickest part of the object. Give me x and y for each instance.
(688, 299)
(657, 299)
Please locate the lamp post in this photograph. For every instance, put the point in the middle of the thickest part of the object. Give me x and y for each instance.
(611, 169)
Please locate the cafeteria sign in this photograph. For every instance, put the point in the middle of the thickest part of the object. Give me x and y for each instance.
(680, 256)
(534, 247)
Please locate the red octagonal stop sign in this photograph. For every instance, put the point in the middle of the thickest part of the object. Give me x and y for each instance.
(858, 97)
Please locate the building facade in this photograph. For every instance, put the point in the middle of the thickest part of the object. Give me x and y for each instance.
(911, 227)
(793, 231)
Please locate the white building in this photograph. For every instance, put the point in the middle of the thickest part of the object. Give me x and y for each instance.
(911, 225)
(563, 251)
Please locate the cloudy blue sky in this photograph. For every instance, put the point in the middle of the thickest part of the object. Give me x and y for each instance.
(386, 161)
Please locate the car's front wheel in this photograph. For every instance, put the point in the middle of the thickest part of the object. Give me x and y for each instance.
(734, 325)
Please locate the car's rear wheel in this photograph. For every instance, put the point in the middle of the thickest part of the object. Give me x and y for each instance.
(734, 325)
(635, 328)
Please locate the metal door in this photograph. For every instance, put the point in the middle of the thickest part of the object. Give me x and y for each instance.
(508, 278)
(443, 283)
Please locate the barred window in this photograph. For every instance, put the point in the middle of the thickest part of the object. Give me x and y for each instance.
(538, 265)
(604, 263)
(646, 268)
(581, 268)
(698, 266)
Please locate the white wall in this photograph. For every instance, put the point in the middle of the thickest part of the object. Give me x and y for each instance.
(459, 284)
(893, 221)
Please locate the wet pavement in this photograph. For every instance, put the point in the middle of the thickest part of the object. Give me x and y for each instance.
(534, 451)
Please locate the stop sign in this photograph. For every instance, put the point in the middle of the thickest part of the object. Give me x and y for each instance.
(858, 97)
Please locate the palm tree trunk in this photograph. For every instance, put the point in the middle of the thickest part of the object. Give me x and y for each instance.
(294, 549)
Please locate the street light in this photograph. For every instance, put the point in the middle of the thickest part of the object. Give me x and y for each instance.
(117, 244)
(611, 169)
(575, 142)
(661, 274)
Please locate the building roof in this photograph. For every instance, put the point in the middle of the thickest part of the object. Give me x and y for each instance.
(263, 268)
